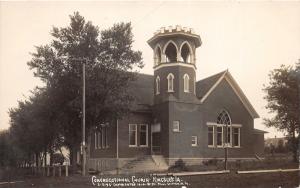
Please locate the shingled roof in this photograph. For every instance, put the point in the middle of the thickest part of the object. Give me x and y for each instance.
(203, 86)
(143, 91)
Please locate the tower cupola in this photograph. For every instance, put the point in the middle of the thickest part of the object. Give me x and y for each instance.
(174, 50)
(174, 44)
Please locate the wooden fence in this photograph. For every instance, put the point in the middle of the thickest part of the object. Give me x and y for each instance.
(59, 170)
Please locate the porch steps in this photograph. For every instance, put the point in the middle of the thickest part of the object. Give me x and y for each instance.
(160, 162)
(145, 164)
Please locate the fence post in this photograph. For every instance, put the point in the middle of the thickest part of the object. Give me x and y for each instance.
(59, 170)
(67, 172)
(53, 171)
(48, 171)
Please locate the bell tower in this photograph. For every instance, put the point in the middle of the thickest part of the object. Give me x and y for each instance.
(174, 50)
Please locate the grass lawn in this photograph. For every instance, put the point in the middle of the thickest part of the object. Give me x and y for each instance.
(275, 179)
(287, 179)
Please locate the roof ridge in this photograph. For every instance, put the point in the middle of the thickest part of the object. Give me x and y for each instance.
(221, 73)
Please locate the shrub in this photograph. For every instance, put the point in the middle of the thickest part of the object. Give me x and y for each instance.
(58, 158)
(178, 166)
(211, 162)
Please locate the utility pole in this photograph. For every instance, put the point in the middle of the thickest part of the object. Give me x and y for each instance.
(84, 61)
(83, 120)
(117, 147)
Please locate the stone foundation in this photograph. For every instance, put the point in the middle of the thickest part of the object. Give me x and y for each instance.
(199, 161)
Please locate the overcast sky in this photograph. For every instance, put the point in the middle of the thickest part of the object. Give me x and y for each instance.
(248, 38)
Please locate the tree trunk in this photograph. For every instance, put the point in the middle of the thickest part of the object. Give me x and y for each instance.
(295, 148)
(45, 157)
(73, 156)
(51, 157)
(36, 159)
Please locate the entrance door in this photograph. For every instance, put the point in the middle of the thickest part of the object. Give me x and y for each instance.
(155, 139)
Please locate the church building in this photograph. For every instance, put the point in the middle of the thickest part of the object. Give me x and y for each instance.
(175, 117)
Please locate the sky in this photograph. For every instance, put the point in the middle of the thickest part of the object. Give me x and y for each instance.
(247, 38)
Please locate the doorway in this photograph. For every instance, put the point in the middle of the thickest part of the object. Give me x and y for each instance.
(155, 139)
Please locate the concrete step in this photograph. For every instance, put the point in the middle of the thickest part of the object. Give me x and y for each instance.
(143, 164)
(160, 161)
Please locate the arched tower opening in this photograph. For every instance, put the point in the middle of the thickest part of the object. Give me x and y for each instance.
(157, 55)
(171, 52)
(186, 53)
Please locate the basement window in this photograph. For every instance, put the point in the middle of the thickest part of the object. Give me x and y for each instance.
(194, 141)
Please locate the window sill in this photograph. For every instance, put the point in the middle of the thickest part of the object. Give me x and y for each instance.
(171, 91)
(194, 145)
(132, 146)
(177, 131)
(140, 146)
(222, 147)
(143, 146)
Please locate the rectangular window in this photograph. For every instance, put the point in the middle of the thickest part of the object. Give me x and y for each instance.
(219, 136)
(236, 137)
(176, 126)
(194, 141)
(227, 139)
(106, 137)
(143, 135)
(103, 136)
(99, 139)
(95, 143)
(132, 135)
(211, 136)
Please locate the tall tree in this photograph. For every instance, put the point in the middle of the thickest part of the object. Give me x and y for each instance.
(110, 64)
(33, 127)
(282, 95)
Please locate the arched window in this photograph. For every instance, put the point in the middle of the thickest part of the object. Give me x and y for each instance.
(171, 52)
(224, 120)
(170, 79)
(186, 53)
(186, 83)
(157, 55)
(157, 85)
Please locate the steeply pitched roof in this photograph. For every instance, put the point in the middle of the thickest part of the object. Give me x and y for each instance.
(142, 90)
(203, 86)
(210, 83)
